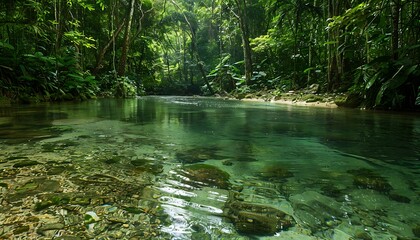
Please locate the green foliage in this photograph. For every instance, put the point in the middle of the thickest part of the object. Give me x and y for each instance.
(370, 48)
(124, 88)
(80, 39)
(387, 84)
(225, 76)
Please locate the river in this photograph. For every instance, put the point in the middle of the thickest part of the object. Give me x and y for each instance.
(207, 168)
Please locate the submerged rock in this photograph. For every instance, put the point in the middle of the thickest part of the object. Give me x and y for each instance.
(331, 191)
(198, 154)
(399, 198)
(25, 163)
(255, 219)
(314, 210)
(275, 173)
(366, 178)
(143, 165)
(207, 175)
(416, 230)
(33, 187)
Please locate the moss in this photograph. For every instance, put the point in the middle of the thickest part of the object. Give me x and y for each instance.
(366, 178)
(114, 160)
(199, 154)
(51, 200)
(399, 198)
(312, 98)
(416, 230)
(25, 163)
(249, 218)
(20, 229)
(275, 173)
(133, 210)
(208, 175)
(350, 101)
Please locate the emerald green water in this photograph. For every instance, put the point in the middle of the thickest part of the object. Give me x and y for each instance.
(189, 168)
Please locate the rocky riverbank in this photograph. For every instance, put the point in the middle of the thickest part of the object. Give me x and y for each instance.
(305, 97)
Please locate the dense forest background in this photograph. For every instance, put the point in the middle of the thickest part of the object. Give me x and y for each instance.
(52, 50)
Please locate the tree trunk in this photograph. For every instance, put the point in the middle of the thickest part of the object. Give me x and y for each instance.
(124, 53)
(194, 50)
(243, 24)
(103, 51)
(60, 8)
(395, 27)
(333, 54)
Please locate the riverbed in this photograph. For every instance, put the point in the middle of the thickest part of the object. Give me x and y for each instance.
(207, 168)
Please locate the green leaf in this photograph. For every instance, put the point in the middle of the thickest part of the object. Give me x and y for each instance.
(6, 45)
(372, 81)
(381, 93)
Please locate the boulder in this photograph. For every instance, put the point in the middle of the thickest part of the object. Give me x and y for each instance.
(256, 219)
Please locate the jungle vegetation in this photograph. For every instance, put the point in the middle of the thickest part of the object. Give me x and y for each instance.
(54, 50)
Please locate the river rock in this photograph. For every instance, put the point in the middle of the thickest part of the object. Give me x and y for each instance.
(416, 230)
(207, 175)
(275, 173)
(256, 219)
(314, 210)
(196, 155)
(25, 163)
(366, 178)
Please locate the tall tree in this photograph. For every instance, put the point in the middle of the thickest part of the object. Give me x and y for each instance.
(126, 40)
(242, 16)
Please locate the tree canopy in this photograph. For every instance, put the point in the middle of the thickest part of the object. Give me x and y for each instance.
(54, 50)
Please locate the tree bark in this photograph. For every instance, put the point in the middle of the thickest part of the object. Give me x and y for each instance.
(60, 9)
(396, 9)
(103, 51)
(243, 24)
(124, 53)
(194, 50)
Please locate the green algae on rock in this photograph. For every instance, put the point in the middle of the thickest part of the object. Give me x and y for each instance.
(196, 155)
(25, 163)
(256, 219)
(368, 179)
(207, 175)
(275, 173)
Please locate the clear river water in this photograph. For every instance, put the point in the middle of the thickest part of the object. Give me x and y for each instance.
(207, 168)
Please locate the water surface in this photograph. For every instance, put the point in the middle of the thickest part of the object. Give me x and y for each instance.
(205, 168)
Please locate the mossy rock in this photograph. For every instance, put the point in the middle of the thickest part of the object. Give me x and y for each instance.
(56, 170)
(144, 165)
(25, 163)
(399, 198)
(34, 187)
(275, 173)
(20, 229)
(350, 101)
(51, 200)
(331, 191)
(207, 175)
(312, 98)
(114, 160)
(139, 162)
(197, 155)
(255, 219)
(367, 179)
(416, 230)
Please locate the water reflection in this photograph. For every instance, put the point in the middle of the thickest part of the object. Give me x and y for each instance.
(191, 168)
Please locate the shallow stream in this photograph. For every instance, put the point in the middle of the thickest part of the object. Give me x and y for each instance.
(206, 168)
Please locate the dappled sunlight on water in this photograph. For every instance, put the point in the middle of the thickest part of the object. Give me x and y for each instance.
(205, 168)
